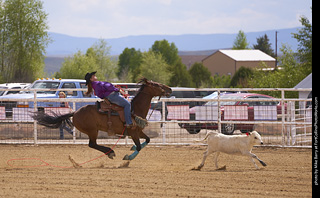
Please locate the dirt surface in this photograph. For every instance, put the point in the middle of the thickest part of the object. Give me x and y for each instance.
(156, 172)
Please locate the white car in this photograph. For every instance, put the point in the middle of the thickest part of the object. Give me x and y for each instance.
(8, 88)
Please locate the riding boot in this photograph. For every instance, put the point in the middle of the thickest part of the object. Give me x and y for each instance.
(131, 126)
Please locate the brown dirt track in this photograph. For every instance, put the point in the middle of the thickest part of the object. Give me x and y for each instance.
(157, 172)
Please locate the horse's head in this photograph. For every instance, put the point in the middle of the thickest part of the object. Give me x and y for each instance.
(155, 89)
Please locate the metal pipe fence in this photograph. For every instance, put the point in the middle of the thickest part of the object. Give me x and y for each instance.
(172, 121)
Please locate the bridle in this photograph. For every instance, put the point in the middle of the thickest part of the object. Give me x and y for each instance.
(163, 94)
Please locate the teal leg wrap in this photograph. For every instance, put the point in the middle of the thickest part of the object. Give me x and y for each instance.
(133, 148)
(132, 156)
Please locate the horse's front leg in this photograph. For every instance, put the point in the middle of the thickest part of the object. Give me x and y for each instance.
(142, 135)
(136, 140)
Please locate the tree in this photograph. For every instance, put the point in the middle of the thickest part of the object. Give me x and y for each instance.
(168, 51)
(201, 76)
(129, 65)
(241, 77)
(154, 67)
(290, 74)
(100, 52)
(264, 45)
(240, 42)
(221, 81)
(23, 38)
(95, 59)
(304, 38)
(77, 65)
(180, 76)
(179, 72)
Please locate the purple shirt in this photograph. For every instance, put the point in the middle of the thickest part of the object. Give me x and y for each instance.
(103, 89)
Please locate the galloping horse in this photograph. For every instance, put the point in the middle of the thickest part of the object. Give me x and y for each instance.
(89, 121)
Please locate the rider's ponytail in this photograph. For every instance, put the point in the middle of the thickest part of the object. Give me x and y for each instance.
(89, 89)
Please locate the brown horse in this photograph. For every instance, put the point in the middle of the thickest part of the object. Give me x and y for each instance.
(89, 121)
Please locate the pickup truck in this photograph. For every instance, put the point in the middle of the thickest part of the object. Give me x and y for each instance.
(46, 83)
(10, 88)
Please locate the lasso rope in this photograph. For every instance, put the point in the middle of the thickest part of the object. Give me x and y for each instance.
(44, 163)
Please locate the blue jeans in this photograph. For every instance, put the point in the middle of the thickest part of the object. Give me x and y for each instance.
(118, 100)
(63, 126)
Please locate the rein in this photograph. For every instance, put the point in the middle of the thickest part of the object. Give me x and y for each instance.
(154, 108)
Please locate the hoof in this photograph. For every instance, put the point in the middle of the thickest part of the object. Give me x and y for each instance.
(126, 157)
(263, 164)
(111, 155)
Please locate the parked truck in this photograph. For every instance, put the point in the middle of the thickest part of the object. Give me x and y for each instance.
(45, 83)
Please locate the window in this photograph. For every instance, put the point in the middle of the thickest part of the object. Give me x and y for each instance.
(267, 103)
(46, 85)
(14, 92)
(2, 92)
(70, 85)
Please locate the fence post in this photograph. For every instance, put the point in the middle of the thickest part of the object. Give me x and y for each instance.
(219, 112)
(292, 113)
(282, 118)
(163, 122)
(35, 109)
(74, 128)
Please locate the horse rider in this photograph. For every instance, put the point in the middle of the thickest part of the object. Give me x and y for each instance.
(106, 90)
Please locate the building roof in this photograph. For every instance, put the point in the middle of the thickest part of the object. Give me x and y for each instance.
(247, 55)
(305, 83)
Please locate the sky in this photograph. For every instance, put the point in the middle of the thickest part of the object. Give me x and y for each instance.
(120, 18)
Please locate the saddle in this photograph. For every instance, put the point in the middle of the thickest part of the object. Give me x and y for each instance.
(106, 107)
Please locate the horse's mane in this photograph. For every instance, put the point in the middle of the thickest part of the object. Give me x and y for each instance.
(143, 82)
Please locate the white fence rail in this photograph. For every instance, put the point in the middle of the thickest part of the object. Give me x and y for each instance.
(280, 121)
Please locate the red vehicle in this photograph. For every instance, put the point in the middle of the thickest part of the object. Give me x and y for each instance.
(248, 106)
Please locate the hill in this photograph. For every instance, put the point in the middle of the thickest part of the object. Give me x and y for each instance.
(66, 45)
(188, 45)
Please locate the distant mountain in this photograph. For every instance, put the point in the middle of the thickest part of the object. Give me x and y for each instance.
(64, 45)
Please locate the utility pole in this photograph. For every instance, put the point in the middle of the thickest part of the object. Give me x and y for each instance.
(276, 49)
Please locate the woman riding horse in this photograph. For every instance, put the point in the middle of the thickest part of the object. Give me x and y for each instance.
(106, 90)
(88, 120)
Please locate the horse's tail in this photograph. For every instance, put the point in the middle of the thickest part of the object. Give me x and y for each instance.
(54, 121)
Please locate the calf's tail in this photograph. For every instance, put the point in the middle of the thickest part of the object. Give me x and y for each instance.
(205, 139)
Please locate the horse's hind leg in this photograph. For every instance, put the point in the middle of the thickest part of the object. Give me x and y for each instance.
(106, 150)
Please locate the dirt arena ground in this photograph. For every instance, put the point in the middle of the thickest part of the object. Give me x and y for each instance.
(157, 172)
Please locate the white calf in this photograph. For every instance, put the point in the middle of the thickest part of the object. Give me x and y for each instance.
(231, 144)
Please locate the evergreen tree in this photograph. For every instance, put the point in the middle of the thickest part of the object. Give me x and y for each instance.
(264, 45)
